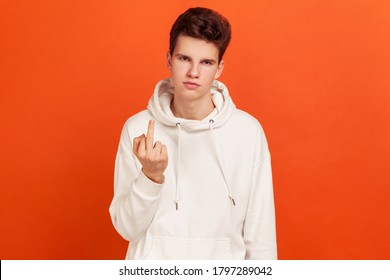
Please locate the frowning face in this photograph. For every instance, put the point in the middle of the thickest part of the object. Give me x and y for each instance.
(194, 66)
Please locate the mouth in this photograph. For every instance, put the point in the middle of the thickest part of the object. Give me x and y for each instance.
(191, 85)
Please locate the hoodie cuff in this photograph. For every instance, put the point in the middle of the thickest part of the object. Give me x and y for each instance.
(147, 186)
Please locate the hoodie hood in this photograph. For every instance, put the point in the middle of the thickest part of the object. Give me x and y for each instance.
(160, 102)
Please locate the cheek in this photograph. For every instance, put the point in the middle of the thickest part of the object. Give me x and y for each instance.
(177, 76)
(178, 70)
(211, 74)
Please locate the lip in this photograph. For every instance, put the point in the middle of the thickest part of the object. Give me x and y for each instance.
(191, 85)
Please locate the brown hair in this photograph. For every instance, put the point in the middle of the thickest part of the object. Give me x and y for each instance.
(202, 23)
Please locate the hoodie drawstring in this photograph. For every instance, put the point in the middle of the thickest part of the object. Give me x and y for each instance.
(178, 168)
(211, 123)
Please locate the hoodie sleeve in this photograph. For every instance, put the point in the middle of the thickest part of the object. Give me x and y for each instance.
(259, 227)
(135, 196)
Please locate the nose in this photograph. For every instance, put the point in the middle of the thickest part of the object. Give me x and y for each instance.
(193, 72)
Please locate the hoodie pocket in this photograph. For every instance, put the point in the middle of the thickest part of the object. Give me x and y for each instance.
(202, 249)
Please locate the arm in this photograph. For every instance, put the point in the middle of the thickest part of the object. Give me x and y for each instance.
(136, 194)
(259, 227)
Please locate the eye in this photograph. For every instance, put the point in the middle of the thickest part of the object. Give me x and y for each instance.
(184, 58)
(207, 62)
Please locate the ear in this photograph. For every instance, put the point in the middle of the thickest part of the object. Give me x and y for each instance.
(220, 69)
(169, 60)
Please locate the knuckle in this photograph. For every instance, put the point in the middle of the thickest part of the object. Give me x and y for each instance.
(141, 154)
(149, 157)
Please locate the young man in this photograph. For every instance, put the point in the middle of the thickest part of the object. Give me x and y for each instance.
(203, 190)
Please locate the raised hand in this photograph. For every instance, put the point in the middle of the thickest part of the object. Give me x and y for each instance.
(153, 157)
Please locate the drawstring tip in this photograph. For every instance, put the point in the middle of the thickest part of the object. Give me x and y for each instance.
(232, 199)
(177, 205)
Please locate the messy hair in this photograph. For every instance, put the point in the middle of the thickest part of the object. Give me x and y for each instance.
(202, 23)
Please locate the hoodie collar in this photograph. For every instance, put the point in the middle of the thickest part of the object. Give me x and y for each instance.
(160, 102)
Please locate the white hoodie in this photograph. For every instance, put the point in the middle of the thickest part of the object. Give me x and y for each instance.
(217, 199)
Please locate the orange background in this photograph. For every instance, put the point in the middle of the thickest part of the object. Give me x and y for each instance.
(315, 73)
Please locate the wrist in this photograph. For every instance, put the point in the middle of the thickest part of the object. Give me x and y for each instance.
(156, 178)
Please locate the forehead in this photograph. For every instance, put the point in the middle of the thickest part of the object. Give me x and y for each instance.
(195, 48)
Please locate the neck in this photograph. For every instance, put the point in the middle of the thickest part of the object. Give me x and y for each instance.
(194, 110)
